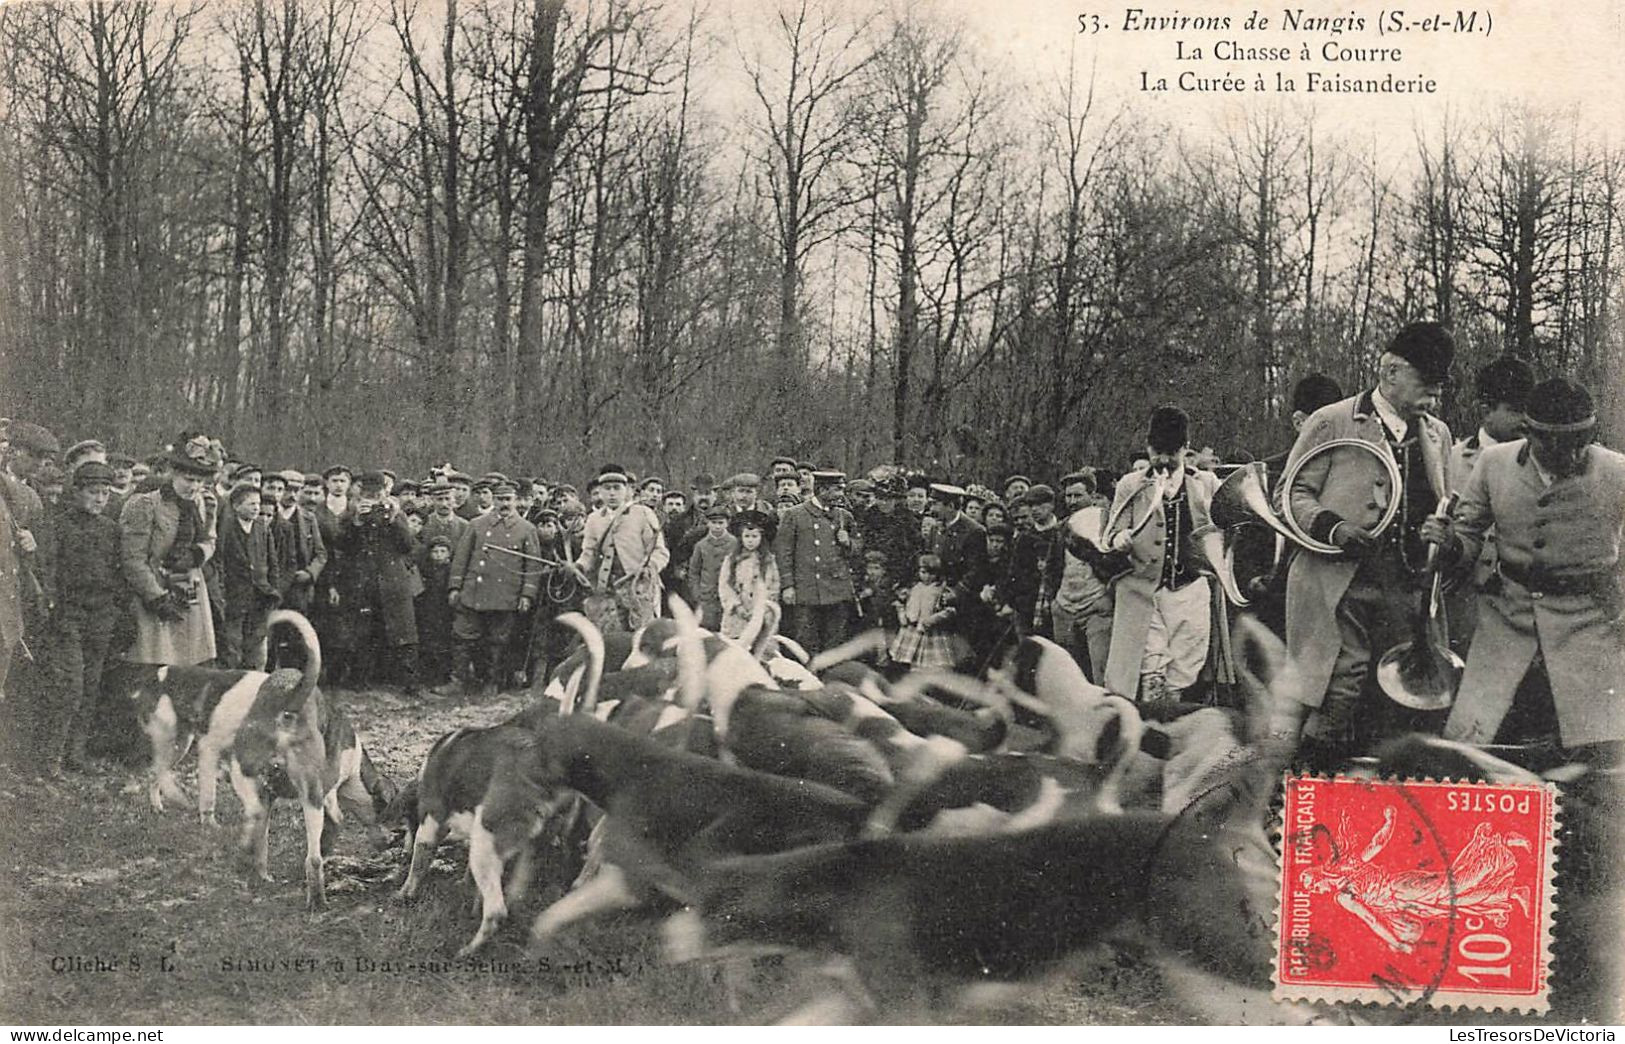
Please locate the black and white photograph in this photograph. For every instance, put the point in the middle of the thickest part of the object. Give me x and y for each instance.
(812, 512)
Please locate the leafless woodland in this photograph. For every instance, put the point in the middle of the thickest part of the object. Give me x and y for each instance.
(536, 234)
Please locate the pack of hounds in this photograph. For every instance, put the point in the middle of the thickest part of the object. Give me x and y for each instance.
(920, 847)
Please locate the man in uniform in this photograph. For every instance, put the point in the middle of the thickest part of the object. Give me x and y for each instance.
(1557, 504)
(1162, 619)
(1344, 611)
(811, 548)
(491, 591)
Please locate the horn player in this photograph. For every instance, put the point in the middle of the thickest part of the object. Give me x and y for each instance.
(1162, 613)
(1343, 611)
(1556, 501)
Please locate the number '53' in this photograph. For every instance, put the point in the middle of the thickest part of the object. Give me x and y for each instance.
(1089, 23)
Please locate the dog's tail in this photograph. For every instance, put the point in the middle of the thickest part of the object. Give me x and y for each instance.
(291, 697)
(594, 642)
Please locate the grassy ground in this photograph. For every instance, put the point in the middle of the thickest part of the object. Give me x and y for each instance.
(110, 913)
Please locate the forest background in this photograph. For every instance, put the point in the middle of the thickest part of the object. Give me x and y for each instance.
(536, 235)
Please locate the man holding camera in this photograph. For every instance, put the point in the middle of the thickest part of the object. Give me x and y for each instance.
(373, 591)
(166, 536)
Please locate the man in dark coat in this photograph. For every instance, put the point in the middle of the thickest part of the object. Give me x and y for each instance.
(301, 559)
(889, 528)
(375, 585)
(961, 545)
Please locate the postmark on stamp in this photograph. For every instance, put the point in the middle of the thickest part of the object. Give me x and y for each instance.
(1416, 892)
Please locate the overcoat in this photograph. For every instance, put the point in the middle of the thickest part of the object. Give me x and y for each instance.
(490, 581)
(1348, 484)
(148, 526)
(372, 571)
(810, 558)
(1136, 495)
(1569, 533)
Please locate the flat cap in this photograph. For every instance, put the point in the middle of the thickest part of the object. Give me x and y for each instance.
(93, 473)
(32, 437)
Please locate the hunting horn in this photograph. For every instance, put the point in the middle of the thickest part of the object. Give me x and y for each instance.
(1423, 673)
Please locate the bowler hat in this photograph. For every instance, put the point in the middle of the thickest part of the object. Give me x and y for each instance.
(93, 473)
(1561, 405)
(1427, 346)
(703, 481)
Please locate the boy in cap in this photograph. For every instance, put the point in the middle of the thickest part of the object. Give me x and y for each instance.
(87, 590)
(434, 612)
(251, 574)
(705, 567)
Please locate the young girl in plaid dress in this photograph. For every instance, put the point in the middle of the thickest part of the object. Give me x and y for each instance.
(924, 639)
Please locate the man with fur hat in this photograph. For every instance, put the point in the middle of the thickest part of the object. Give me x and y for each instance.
(1161, 612)
(623, 550)
(811, 547)
(166, 537)
(493, 584)
(1343, 611)
(1556, 501)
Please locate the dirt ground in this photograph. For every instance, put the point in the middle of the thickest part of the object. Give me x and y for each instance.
(111, 913)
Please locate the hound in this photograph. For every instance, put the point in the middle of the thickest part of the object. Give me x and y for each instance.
(280, 738)
(473, 785)
(1199, 886)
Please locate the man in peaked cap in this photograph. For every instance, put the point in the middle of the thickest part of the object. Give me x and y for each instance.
(1161, 610)
(1557, 504)
(1343, 611)
(812, 545)
(492, 588)
(623, 552)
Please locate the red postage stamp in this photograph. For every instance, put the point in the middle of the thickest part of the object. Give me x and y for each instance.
(1404, 892)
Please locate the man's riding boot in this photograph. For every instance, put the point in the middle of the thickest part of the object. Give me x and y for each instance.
(493, 671)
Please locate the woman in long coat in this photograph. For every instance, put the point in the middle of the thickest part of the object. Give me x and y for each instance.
(168, 534)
